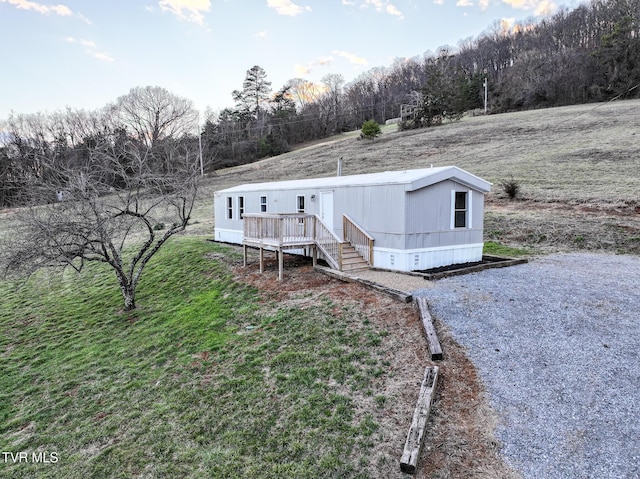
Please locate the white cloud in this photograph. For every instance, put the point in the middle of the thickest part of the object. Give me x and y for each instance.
(539, 7)
(378, 4)
(545, 7)
(261, 34)
(324, 61)
(393, 10)
(286, 7)
(383, 6)
(320, 62)
(464, 3)
(61, 10)
(507, 25)
(438, 2)
(354, 59)
(189, 10)
(302, 70)
(484, 4)
(91, 49)
(105, 57)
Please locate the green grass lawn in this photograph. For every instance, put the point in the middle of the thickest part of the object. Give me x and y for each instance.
(497, 249)
(205, 379)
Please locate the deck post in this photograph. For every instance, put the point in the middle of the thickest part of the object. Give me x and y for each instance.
(261, 260)
(244, 255)
(280, 264)
(371, 252)
(314, 256)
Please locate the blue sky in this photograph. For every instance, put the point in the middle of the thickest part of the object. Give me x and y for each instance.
(83, 54)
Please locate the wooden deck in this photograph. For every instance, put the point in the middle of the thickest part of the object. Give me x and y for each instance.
(279, 232)
(285, 231)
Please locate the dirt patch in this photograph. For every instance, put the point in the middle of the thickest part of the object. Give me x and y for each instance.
(459, 441)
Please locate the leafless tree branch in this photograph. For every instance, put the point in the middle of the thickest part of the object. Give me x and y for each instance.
(119, 226)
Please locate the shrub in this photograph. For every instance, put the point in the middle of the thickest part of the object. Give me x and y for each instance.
(370, 129)
(511, 187)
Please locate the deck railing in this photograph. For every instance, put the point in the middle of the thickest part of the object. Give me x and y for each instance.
(279, 229)
(359, 239)
(329, 244)
(300, 229)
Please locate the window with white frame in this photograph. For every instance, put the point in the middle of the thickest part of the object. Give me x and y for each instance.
(460, 210)
(240, 206)
(300, 206)
(263, 204)
(229, 207)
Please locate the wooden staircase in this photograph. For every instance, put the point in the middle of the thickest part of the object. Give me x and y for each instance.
(352, 260)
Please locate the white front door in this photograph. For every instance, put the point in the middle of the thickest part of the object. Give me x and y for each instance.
(326, 208)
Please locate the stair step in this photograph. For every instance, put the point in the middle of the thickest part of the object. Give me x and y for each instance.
(355, 267)
(353, 259)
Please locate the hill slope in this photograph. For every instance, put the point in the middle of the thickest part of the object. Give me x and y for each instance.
(577, 167)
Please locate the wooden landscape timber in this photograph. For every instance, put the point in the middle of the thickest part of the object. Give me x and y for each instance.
(488, 262)
(415, 437)
(429, 330)
(394, 293)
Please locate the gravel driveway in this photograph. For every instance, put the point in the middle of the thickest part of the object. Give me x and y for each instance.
(556, 344)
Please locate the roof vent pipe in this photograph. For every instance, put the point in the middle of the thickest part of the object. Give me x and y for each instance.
(339, 167)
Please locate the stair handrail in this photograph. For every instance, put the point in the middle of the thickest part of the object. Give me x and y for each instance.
(327, 242)
(361, 240)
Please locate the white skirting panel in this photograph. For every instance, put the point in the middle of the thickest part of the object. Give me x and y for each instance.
(228, 236)
(420, 259)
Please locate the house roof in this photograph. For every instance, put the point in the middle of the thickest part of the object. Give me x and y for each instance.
(412, 179)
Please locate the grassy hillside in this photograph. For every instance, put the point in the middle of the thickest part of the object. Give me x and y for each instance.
(208, 378)
(577, 166)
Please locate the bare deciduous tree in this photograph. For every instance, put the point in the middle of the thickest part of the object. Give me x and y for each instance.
(153, 113)
(303, 92)
(122, 227)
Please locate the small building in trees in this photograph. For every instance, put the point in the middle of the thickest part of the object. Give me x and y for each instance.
(399, 220)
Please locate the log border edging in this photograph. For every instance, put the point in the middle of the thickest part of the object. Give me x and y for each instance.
(415, 437)
(343, 276)
(429, 330)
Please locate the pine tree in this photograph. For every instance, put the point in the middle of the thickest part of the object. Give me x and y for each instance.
(255, 91)
(370, 129)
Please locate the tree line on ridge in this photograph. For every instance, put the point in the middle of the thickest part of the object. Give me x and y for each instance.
(587, 54)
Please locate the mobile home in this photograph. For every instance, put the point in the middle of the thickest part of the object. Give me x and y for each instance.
(413, 219)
